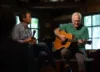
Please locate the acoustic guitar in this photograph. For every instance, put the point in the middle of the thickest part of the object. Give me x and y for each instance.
(58, 44)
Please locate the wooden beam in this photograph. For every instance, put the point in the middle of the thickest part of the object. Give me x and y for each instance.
(52, 5)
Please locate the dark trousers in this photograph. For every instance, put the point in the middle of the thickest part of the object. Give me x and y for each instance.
(73, 52)
(41, 52)
(78, 54)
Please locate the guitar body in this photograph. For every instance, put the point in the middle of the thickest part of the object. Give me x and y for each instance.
(58, 43)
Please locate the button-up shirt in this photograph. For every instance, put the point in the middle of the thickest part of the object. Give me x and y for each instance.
(21, 32)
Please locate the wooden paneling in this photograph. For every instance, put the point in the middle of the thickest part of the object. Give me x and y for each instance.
(95, 7)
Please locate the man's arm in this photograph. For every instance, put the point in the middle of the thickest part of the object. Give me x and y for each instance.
(62, 27)
(57, 33)
(15, 34)
(85, 36)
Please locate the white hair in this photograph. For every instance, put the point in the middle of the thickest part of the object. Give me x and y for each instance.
(77, 13)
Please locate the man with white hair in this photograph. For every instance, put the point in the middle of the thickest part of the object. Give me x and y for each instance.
(81, 35)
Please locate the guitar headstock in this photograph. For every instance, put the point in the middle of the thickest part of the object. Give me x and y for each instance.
(89, 42)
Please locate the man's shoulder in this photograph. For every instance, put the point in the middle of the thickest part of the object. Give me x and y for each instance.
(70, 24)
(18, 25)
(84, 27)
(67, 24)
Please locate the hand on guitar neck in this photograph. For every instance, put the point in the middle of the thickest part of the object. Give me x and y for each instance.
(80, 41)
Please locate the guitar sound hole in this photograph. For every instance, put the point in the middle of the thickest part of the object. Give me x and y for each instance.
(63, 43)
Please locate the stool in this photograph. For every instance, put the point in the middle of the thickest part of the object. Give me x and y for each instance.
(73, 67)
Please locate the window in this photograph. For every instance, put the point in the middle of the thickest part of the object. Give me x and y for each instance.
(32, 26)
(93, 24)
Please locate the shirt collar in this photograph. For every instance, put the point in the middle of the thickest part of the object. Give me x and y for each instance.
(24, 24)
(78, 27)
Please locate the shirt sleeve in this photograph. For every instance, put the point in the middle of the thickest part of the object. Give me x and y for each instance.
(15, 34)
(85, 33)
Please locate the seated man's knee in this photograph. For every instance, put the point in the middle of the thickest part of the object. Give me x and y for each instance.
(80, 58)
(64, 52)
(42, 44)
(42, 53)
(80, 61)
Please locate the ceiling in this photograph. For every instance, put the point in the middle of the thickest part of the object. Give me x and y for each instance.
(48, 9)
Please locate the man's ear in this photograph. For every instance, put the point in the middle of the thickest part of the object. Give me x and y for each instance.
(23, 19)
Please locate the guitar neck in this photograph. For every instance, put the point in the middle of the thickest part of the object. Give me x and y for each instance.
(86, 42)
(70, 40)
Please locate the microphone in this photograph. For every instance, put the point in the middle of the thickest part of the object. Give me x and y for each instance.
(34, 31)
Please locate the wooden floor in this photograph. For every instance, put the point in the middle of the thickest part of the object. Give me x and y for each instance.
(60, 66)
(49, 68)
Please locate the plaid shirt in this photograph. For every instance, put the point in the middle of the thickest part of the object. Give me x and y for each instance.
(21, 32)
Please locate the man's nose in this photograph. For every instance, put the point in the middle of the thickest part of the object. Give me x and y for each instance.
(76, 22)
